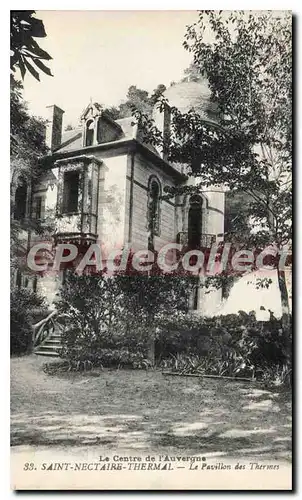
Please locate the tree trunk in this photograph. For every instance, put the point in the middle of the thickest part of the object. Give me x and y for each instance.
(283, 294)
(285, 318)
(151, 346)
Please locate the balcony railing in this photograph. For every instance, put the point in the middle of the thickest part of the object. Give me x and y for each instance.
(75, 238)
(205, 241)
(76, 227)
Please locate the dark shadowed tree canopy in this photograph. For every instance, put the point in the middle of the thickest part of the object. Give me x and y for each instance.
(26, 54)
(27, 133)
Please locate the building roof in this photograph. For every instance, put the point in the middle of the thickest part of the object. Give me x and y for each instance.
(183, 95)
(72, 140)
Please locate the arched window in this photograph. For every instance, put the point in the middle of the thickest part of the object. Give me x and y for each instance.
(153, 215)
(20, 200)
(89, 133)
(195, 222)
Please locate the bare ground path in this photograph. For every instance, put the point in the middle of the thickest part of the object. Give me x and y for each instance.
(147, 412)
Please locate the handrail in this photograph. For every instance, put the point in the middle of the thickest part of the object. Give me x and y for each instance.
(41, 329)
(44, 320)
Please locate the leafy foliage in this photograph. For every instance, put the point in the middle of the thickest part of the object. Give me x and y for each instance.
(137, 99)
(232, 345)
(23, 304)
(115, 312)
(90, 304)
(80, 360)
(27, 133)
(250, 151)
(27, 136)
(27, 146)
(192, 73)
(150, 297)
(26, 54)
(108, 322)
(248, 65)
(249, 71)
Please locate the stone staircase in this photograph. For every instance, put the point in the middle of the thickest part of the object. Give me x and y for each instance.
(51, 346)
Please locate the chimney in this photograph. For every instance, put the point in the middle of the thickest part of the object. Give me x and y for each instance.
(54, 127)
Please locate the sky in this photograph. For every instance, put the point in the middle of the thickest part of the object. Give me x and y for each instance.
(98, 54)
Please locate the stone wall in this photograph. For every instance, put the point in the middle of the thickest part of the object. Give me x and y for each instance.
(143, 170)
(112, 201)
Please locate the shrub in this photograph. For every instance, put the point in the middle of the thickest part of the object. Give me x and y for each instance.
(86, 359)
(88, 308)
(113, 312)
(120, 358)
(109, 322)
(233, 345)
(105, 358)
(277, 376)
(24, 305)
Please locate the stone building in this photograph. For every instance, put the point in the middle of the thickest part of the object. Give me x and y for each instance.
(102, 181)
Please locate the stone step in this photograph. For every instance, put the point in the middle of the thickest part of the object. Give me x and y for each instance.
(49, 347)
(52, 345)
(51, 354)
(53, 341)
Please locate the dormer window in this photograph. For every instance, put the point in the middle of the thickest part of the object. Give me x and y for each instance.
(90, 118)
(98, 126)
(89, 133)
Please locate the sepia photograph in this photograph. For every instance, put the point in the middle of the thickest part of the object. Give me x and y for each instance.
(151, 250)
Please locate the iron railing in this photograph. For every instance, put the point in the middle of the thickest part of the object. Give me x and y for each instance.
(206, 240)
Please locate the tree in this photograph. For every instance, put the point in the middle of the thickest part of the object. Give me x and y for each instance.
(27, 145)
(137, 99)
(147, 297)
(27, 137)
(248, 64)
(249, 69)
(27, 133)
(25, 51)
(192, 73)
(98, 306)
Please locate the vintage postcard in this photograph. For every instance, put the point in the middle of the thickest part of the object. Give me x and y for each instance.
(151, 249)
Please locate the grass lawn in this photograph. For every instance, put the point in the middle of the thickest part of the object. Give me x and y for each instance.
(147, 412)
